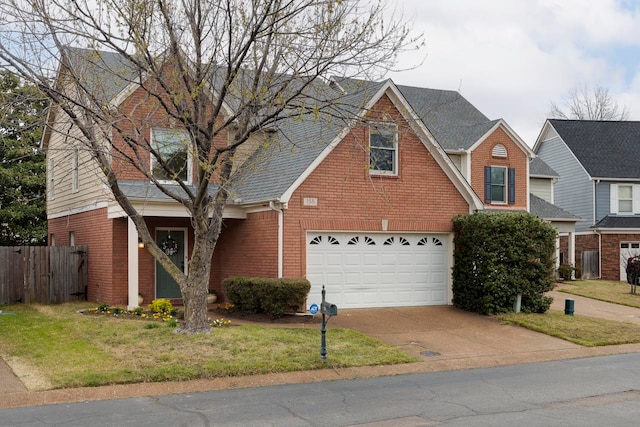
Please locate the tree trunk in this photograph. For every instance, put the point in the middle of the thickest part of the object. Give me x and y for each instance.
(196, 287)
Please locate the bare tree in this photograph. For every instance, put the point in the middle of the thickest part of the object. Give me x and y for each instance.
(589, 103)
(228, 68)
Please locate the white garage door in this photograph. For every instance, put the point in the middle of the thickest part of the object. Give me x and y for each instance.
(377, 270)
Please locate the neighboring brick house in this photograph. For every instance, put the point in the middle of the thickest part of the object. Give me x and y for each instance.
(363, 207)
(597, 162)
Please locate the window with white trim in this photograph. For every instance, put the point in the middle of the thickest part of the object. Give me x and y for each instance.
(383, 148)
(51, 184)
(625, 199)
(75, 160)
(172, 146)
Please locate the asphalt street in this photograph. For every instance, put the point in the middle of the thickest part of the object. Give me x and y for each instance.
(597, 391)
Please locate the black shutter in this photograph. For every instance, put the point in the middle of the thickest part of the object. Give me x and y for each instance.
(487, 184)
(512, 186)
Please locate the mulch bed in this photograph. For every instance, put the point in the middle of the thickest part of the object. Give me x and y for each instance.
(217, 313)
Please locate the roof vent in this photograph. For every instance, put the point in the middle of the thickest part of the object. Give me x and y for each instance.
(499, 151)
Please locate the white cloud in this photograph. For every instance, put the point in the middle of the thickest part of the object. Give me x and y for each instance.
(512, 58)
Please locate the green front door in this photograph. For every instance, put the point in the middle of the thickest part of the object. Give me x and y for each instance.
(172, 242)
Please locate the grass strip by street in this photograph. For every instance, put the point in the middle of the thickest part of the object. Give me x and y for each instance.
(603, 290)
(583, 330)
(73, 350)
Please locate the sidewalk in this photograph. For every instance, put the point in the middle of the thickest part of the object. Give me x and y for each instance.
(444, 338)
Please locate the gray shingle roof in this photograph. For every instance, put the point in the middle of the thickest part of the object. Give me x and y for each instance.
(613, 221)
(144, 190)
(451, 119)
(606, 149)
(298, 141)
(104, 74)
(538, 168)
(545, 210)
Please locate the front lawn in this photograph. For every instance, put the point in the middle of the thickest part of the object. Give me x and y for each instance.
(603, 290)
(582, 330)
(72, 350)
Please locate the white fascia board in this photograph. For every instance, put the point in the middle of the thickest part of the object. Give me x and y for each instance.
(546, 128)
(74, 211)
(617, 230)
(511, 133)
(286, 196)
(616, 180)
(168, 209)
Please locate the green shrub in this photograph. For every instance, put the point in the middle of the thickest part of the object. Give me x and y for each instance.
(565, 271)
(274, 297)
(500, 255)
(161, 305)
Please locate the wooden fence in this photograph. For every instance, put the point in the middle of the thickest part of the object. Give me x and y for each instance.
(43, 274)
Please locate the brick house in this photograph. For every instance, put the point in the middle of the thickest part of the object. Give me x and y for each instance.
(363, 207)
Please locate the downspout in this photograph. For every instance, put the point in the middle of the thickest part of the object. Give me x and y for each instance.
(272, 206)
(595, 183)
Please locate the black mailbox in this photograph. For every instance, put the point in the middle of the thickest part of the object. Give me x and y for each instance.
(328, 309)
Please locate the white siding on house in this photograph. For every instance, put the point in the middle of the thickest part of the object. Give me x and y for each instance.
(542, 187)
(573, 191)
(90, 192)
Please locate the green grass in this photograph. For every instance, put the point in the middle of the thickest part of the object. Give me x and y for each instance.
(582, 330)
(604, 290)
(72, 350)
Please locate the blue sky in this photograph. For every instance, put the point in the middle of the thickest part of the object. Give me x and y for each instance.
(512, 58)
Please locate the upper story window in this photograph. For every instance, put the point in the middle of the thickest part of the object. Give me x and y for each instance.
(172, 145)
(499, 185)
(51, 184)
(383, 148)
(75, 163)
(625, 199)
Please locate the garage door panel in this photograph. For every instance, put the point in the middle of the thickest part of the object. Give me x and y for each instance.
(401, 272)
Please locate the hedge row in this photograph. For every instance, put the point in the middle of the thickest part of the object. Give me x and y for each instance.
(500, 255)
(275, 297)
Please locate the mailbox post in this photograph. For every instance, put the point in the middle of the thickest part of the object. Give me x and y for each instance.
(327, 309)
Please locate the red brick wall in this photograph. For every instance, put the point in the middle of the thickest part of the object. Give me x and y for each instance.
(144, 112)
(611, 261)
(95, 230)
(247, 247)
(516, 158)
(420, 198)
(107, 259)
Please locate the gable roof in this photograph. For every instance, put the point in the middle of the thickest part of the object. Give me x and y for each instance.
(606, 149)
(550, 212)
(539, 169)
(274, 171)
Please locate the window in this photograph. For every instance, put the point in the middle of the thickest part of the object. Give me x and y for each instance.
(52, 183)
(383, 148)
(74, 170)
(625, 199)
(499, 184)
(172, 145)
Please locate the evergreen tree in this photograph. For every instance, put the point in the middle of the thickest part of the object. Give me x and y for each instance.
(23, 218)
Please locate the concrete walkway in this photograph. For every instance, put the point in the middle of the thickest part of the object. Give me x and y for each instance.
(443, 338)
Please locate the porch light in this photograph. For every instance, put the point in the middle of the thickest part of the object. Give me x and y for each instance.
(140, 243)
